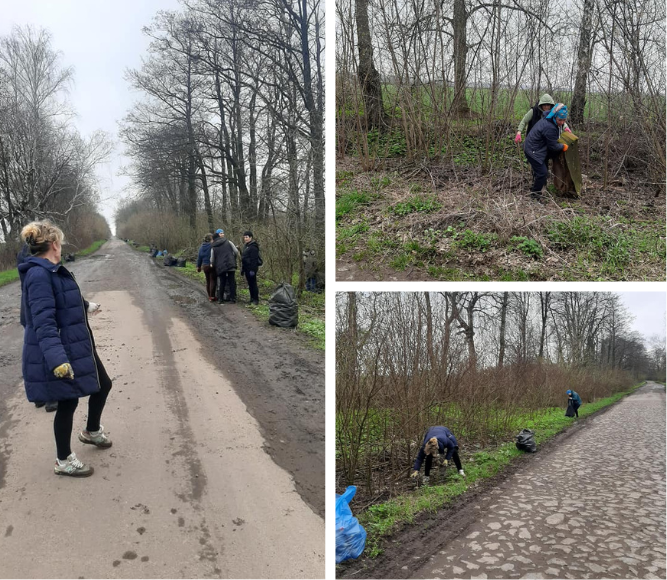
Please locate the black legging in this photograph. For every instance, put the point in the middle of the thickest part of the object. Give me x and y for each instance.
(62, 422)
(429, 461)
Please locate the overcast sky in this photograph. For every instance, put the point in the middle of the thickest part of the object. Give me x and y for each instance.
(649, 311)
(100, 39)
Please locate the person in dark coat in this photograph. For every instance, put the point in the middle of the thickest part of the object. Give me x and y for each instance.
(223, 261)
(49, 406)
(59, 358)
(574, 399)
(542, 145)
(250, 264)
(438, 441)
(204, 261)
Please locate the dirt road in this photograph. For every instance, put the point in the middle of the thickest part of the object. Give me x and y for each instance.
(217, 422)
(594, 507)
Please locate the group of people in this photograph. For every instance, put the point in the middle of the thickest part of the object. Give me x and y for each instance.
(544, 124)
(217, 258)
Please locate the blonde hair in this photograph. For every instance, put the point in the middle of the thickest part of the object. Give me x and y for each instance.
(431, 447)
(40, 235)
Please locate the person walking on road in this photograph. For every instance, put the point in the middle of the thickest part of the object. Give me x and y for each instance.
(542, 144)
(60, 361)
(223, 261)
(438, 441)
(204, 262)
(530, 119)
(574, 399)
(250, 263)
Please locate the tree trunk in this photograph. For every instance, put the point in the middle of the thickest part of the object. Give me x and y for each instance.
(583, 65)
(503, 320)
(252, 158)
(460, 23)
(369, 78)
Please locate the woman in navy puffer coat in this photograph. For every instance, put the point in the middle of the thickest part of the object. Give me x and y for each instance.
(59, 358)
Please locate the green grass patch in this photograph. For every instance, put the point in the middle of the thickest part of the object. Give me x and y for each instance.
(527, 245)
(92, 248)
(473, 241)
(416, 204)
(349, 202)
(8, 276)
(381, 519)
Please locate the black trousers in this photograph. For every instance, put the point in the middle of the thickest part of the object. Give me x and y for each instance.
(62, 422)
(252, 286)
(224, 279)
(429, 461)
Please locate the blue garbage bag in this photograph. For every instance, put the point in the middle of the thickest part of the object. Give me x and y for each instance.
(350, 534)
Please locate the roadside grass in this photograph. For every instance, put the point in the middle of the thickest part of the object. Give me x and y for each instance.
(381, 520)
(379, 227)
(311, 305)
(7, 276)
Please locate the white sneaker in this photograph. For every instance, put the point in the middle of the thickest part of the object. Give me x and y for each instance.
(425, 480)
(461, 473)
(72, 467)
(97, 438)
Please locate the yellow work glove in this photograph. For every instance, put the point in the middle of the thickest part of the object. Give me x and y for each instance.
(445, 463)
(414, 474)
(564, 147)
(64, 371)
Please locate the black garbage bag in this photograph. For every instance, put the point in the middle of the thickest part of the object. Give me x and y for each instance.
(180, 262)
(70, 258)
(169, 260)
(283, 307)
(525, 441)
(570, 409)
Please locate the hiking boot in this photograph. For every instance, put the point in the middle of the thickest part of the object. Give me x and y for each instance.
(39, 404)
(51, 406)
(254, 302)
(72, 467)
(536, 196)
(97, 438)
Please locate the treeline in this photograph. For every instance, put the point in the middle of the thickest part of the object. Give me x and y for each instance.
(474, 362)
(47, 169)
(229, 129)
(415, 68)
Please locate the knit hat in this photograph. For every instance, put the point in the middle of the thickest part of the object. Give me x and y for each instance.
(558, 112)
(219, 231)
(545, 99)
(248, 233)
(568, 392)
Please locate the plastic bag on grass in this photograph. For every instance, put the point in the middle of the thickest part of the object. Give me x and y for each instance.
(283, 307)
(350, 534)
(525, 441)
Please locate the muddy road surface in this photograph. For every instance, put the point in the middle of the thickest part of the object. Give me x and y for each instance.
(593, 507)
(217, 422)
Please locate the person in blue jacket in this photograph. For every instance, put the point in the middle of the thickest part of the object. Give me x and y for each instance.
(574, 399)
(60, 362)
(204, 262)
(542, 144)
(49, 406)
(438, 441)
